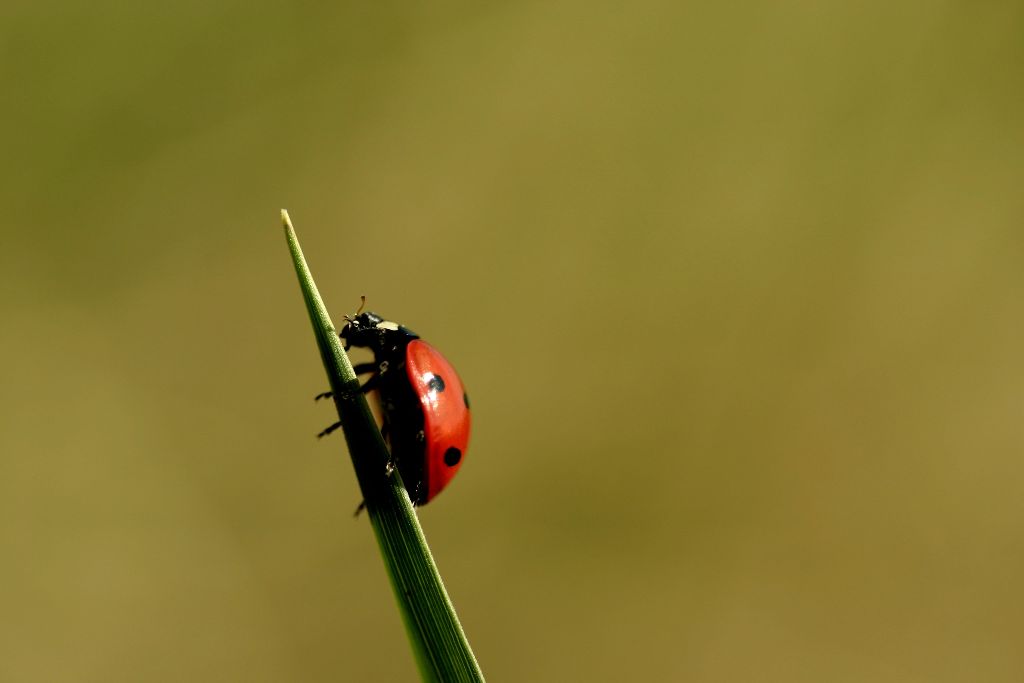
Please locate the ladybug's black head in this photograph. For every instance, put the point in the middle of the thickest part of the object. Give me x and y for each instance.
(361, 330)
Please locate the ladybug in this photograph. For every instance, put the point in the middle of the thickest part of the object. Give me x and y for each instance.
(424, 405)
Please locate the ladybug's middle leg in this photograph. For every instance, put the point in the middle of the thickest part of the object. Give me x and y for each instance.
(367, 386)
(364, 368)
(360, 369)
(370, 384)
(328, 430)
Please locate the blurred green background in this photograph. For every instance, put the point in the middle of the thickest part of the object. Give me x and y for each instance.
(736, 289)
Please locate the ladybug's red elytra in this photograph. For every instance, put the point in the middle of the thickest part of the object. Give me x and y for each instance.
(425, 407)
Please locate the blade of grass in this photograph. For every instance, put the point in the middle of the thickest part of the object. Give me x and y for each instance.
(438, 641)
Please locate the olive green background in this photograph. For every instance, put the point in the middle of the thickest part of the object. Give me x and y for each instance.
(736, 288)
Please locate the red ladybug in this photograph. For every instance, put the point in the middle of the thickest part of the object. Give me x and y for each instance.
(425, 407)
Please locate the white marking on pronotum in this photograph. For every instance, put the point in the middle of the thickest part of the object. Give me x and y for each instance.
(387, 325)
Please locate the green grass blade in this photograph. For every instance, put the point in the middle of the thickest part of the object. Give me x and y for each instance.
(438, 642)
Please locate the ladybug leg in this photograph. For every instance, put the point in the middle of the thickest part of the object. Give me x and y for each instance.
(363, 505)
(370, 384)
(328, 430)
(360, 369)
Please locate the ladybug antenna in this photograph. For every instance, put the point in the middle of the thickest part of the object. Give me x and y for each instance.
(362, 304)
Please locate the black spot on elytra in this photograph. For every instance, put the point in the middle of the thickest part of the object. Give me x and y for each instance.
(452, 456)
(465, 399)
(436, 383)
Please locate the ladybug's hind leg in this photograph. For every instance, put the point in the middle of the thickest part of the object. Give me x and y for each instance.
(390, 467)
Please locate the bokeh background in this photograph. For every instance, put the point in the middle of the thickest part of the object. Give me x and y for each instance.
(737, 290)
